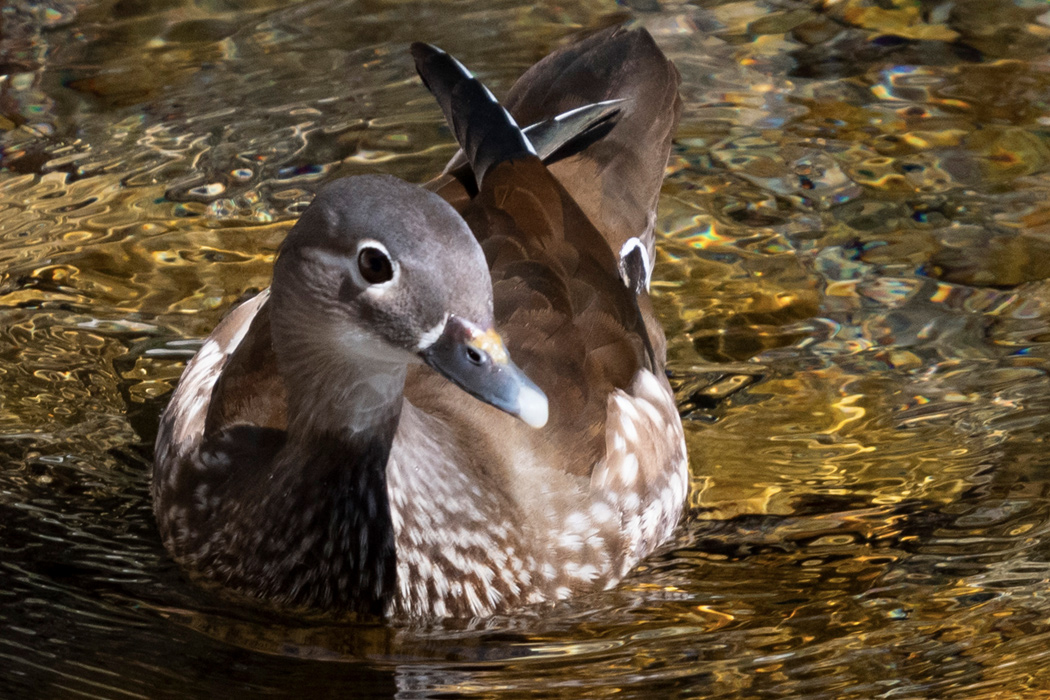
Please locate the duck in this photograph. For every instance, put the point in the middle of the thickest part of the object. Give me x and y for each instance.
(452, 400)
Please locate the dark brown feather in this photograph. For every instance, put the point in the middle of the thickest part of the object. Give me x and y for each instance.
(615, 181)
(565, 314)
(249, 390)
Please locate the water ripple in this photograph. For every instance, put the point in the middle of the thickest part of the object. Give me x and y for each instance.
(852, 272)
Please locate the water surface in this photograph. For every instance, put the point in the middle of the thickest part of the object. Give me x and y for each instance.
(853, 264)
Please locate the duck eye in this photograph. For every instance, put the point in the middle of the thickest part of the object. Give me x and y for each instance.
(374, 265)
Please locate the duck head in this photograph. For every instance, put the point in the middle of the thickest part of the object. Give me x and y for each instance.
(378, 274)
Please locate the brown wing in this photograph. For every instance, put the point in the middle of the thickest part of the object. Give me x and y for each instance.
(561, 307)
(615, 181)
(249, 390)
(246, 413)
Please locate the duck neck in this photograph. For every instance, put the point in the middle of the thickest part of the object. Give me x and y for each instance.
(345, 400)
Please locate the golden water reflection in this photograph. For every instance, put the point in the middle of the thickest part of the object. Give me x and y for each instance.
(852, 271)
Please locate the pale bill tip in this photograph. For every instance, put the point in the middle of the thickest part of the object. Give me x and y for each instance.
(532, 407)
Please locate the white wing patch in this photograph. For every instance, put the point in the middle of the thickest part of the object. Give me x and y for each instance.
(634, 244)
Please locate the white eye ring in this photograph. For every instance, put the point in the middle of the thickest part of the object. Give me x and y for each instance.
(361, 265)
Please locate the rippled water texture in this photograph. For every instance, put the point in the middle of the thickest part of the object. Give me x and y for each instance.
(853, 274)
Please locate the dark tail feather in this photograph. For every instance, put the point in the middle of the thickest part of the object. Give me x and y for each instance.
(484, 129)
(571, 132)
(563, 136)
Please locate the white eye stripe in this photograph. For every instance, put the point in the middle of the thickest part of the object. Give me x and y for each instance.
(431, 336)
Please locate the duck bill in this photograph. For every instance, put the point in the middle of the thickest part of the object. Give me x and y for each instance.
(477, 361)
